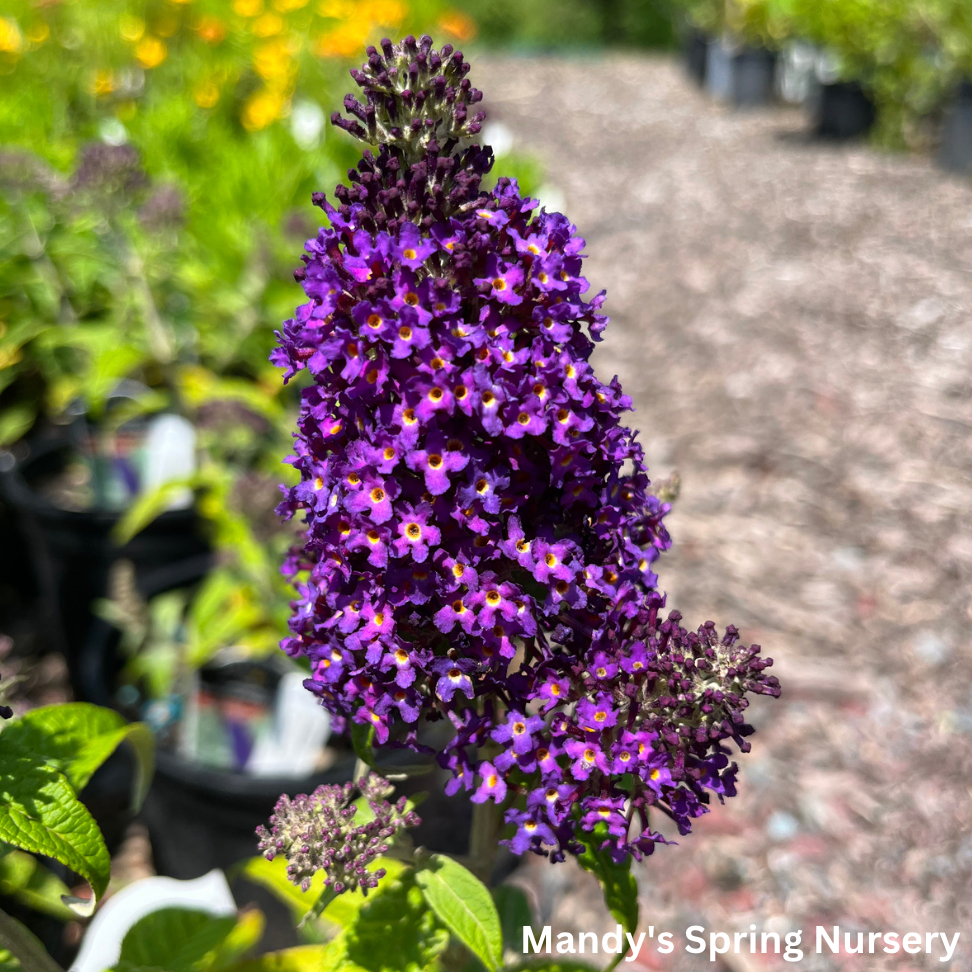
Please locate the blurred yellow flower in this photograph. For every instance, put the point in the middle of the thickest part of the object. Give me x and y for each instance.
(38, 33)
(261, 109)
(247, 8)
(11, 41)
(268, 25)
(131, 28)
(206, 94)
(103, 83)
(180, 1)
(344, 40)
(211, 29)
(285, 6)
(388, 13)
(458, 25)
(150, 52)
(272, 61)
(336, 9)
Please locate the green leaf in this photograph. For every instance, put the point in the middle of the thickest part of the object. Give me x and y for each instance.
(20, 949)
(395, 931)
(363, 740)
(242, 939)
(77, 738)
(617, 882)
(272, 875)
(341, 911)
(303, 958)
(148, 506)
(25, 879)
(173, 939)
(15, 422)
(41, 813)
(515, 913)
(9, 962)
(463, 904)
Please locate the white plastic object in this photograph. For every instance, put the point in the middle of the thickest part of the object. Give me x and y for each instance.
(101, 947)
(301, 727)
(170, 453)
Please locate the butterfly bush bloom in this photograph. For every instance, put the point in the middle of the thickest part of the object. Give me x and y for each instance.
(318, 832)
(480, 528)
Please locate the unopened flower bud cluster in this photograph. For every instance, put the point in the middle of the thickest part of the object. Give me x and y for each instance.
(320, 833)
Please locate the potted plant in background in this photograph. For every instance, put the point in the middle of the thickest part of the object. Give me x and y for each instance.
(133, 290)
(192, 653)
(738, 42)
(954, 28)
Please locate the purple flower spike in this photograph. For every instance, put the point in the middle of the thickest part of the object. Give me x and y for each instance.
(480, 530)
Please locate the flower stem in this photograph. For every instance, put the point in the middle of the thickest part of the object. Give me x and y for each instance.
(483, 839)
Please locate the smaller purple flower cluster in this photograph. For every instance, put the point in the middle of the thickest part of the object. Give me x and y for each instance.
(318, 832)
(637, 721)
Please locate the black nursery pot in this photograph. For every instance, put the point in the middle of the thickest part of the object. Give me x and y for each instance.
(71, 552)
(754, 70)
(696, 55)
(844, 111)
(198, 817)
(955, 151)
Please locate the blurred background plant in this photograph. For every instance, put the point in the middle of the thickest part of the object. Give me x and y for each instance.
(157, 163)
(908, 55)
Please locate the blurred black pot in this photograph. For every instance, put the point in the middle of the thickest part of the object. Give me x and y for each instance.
(71, 552)
(753, 75)
(741, 75)
(955, 151)
(844, 111)
(696, 53)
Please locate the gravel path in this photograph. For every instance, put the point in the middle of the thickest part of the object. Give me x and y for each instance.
(794, 323)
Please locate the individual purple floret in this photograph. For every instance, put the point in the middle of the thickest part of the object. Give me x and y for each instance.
(319, 832)
(480, 530)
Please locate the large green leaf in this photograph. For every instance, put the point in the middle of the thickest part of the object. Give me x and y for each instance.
(173, 940)
(463, 904)
(617, 882)
(395, 931)
(77, 738)
(40, 813)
